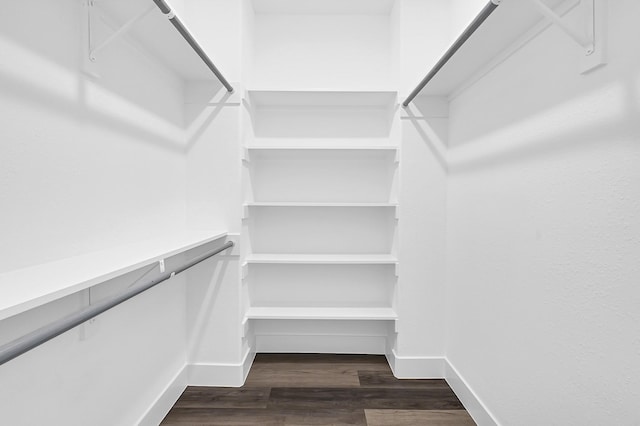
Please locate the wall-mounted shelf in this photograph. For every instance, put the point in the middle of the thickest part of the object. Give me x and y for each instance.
(156, 35)
(322, 259)
(314, 204)
(266, 149)
(323, 7)
(328, 313)
(28, 288)
(334, 98)
(507, 23)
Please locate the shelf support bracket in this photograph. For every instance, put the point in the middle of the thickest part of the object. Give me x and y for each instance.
(125, 28)
(586, 41)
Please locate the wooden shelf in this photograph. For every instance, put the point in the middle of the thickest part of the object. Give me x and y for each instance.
(510, 21)
(322, 259)
(28, 288)
(305, 313)
(156, 35)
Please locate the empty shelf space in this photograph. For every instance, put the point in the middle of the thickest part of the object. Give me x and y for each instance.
(27, 288)
(336, 230)
(331, 98)
(321, 115)
(329, 313)
(347, 177)
(320, 285)
(329, 259)
(324, 7)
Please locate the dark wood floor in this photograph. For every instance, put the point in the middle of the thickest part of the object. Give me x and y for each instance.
(285, 389)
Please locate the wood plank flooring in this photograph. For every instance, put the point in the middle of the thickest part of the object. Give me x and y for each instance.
(310, 389)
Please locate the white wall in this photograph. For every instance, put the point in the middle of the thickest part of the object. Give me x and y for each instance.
(421, 281)
(543, 225)
(132, 353)
(462, 13)
(214, 195)
(87, 164)
(424, 37)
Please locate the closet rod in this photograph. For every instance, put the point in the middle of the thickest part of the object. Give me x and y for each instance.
(166, 9)
(466, 34)
(37, 337)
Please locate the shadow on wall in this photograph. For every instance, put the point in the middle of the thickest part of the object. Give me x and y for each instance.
(45, 63)
(607, 113)
(484, 135)
(205, 282)
(536, 102)
(430, 118)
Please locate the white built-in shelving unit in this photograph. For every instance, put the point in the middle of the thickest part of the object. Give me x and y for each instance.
(320, 157)
(320, 208)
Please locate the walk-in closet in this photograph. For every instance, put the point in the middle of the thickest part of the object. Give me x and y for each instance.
(316, 212)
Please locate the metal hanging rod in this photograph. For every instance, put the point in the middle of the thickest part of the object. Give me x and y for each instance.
(166, 9)
(477, 22)
(37, 337)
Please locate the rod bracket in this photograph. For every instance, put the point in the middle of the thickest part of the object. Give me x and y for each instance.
(125, 28)
(584, 40)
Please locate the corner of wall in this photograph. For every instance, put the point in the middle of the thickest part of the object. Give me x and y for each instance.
(474, 406)
(165, 401)
(227, 375)
(416, 367)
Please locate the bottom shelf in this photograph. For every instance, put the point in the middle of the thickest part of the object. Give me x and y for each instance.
(288, 313)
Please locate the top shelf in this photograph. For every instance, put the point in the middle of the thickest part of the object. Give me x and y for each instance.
(322, 7)
(28, 288)
(511, 20)
(283, 98)
(157, 35)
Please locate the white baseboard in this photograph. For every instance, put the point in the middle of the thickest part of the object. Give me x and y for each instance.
(345, 344)
(234, 375)
(224, 375)
(406, 367)
(410, 367)
(468, 397)
(165, 400)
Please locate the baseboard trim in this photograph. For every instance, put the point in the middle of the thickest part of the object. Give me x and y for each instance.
(222, 375)
(316, 343)
(165, 400)
(480, 413)
(234, 375)
(412, 367)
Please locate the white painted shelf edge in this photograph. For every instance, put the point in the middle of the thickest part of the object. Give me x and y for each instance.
(28, 288)
(322, 148)
(325, 313)
(315, 204)
(323, 259)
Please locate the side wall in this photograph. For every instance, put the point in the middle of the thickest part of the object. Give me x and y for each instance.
(543, 233)
(419, 348)
(87, 164)
(214, 196)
